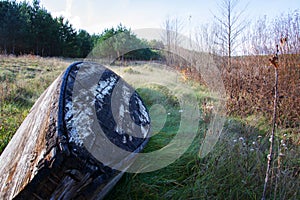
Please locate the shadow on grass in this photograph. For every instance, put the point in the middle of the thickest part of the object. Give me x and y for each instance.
(235, 169)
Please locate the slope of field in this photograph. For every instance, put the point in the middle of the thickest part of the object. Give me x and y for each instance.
(234, 169)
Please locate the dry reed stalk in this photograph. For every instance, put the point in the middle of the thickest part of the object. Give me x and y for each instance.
(274, 62)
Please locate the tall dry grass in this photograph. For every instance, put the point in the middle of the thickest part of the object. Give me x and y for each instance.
(22, 81)
(250, 86)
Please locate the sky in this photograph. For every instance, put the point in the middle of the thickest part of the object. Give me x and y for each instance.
(96, 15)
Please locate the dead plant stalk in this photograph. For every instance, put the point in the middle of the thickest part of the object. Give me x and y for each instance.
(274, 62)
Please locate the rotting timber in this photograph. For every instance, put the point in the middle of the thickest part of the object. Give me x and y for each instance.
(65, 147)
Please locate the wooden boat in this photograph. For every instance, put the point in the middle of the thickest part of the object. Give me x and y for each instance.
(72, 143)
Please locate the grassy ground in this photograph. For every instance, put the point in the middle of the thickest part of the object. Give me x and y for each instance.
(22, 81)
(234, 169)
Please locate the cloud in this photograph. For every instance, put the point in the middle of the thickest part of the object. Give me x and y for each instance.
(69, 8)
(67, 13)
(76, 21)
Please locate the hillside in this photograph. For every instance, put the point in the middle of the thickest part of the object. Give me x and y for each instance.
(234, 169)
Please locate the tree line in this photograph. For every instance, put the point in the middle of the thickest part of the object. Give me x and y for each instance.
(121, 44)
(31, 29)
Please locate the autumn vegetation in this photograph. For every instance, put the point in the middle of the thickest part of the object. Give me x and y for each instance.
(241, 49)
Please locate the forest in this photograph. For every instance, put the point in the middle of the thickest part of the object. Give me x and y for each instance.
(30, 29)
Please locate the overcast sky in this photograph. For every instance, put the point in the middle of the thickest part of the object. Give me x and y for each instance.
(96, 15)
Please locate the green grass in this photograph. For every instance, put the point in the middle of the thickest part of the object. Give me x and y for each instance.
(22, 81)
(234, 169)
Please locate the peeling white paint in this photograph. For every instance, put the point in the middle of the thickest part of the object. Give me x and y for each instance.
(144, 130)
(124, 140)
(119, 130)
(130, 138)
(126, 94)
(144, 117)
(83, 115)
(122, 111)
(83, 109)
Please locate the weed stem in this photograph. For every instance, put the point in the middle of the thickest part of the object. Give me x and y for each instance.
(274, 61)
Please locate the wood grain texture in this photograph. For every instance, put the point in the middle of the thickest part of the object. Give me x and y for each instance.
(52, 157)
(19, 160)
